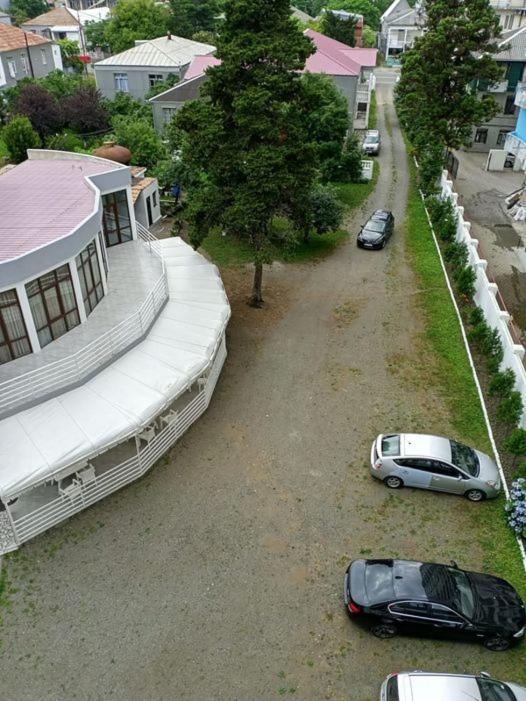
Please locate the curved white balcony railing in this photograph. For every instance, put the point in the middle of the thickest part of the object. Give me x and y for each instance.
(36, 384)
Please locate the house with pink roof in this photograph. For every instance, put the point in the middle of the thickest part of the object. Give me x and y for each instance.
(350, 68)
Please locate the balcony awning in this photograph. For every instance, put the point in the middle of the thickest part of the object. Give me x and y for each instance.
(122, 399)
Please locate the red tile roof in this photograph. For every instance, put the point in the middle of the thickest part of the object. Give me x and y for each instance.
(12, 38)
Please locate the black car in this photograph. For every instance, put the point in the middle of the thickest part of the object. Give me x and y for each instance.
(422, 598)
(377, 230)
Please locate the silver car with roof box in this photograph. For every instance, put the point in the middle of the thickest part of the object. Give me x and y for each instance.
(425, 686)
(432, 462)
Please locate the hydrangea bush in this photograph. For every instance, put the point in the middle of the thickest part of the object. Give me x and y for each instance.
(516, 507)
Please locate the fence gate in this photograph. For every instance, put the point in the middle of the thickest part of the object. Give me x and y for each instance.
(452, 164)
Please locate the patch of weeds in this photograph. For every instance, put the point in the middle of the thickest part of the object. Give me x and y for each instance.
(345, 314)
(281, 674)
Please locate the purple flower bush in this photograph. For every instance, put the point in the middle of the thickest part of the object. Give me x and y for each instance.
(516, 507)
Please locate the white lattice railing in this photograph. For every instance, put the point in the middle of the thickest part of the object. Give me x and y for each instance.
(62, 373)
(48, 515)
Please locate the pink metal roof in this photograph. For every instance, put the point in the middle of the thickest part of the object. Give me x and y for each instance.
(331, 57)
(199, 65)
(42, 201)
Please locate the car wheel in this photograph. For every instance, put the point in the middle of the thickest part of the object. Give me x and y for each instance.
(393, 482)
(496, 644)
(384, 630)
(383, 243)
(475, 495)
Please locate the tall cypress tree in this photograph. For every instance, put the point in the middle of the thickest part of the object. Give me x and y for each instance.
(437, 95)
(246, 144)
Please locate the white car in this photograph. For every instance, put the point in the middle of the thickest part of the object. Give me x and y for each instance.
(426, 686)
(432, 462)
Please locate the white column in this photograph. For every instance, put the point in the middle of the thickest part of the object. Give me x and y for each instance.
(28, 317)
(131, 212)
(78, 290)
(100, 259)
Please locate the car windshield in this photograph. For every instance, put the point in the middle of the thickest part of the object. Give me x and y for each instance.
(464, 457)
(494, 691)
(373, 225)
(449, 586)
(391, 445)
(371, 139)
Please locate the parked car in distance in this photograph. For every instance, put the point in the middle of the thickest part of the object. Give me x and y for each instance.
(428, 599)
(432, 462)
(425, 686)
(377, 230)
(372, 142)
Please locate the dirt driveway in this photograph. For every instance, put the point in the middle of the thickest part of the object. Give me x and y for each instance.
(219, 576)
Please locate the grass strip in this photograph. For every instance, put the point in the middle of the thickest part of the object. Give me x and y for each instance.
(455, 379)
(372, 121)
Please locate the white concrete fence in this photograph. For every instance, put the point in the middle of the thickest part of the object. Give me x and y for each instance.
(487, 295)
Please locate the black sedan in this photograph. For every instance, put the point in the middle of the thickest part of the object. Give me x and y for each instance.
(377, 230)
(421, 598)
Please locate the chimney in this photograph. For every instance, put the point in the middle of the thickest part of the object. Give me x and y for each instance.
(168, 36)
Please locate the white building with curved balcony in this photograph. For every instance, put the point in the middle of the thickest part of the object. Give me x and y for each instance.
(111, 342)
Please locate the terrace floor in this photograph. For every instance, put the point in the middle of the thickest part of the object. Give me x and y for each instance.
(133, 272)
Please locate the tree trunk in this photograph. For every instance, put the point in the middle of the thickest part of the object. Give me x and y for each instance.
(256, 300)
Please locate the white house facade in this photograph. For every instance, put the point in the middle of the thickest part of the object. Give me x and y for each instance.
(111, 342)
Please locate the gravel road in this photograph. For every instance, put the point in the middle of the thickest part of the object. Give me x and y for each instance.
(219, 575)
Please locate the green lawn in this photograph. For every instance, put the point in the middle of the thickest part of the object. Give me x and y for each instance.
(354, 194)
(455, 379)
(371, 124)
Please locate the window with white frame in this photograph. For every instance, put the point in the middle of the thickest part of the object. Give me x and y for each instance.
(25, 65)
(44, 57)
(11, 67)
(155, 78)
(481, 136)
(121, 82)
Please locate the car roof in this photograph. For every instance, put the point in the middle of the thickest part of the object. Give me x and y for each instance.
(420, 444)
(387, 581)
(421, 686)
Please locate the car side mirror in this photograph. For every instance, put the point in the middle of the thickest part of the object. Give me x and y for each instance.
(485, 675)
(454, 564)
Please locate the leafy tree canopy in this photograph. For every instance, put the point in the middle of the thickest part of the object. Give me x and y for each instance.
(84, 111)
(311, 7)
(436, 97)
(70, 54)
(191, 16)
(95, 33)
(41, 108)
(328, 119)
(247, 145)
(135, 19)
(18, 136)
(27, 9)
(337, 28)
(140, 137)
(368, 37)
(370, 10)
(124, 105)
(163, 85)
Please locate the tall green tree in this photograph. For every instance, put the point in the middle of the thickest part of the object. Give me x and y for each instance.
(247, 145)
(135, 19)
(191, 16)
(338, 28)
(370, 10)
(19, 135)
(142, 140)
(328, 121)
(70, 51)
(436, 96)
(27, 9)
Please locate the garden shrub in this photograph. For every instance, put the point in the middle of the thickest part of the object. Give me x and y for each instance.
(516, 507)
(446, 225)
(520, 471)
(476, 316)
(465, 281)
(456, 254)
(515, 443)
(509, 410)
(502, 384)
